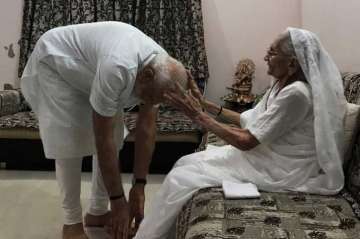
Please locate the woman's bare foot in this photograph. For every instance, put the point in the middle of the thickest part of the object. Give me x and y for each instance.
(74, 231)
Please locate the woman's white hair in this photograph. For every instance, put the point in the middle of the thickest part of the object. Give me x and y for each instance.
(286, 45)
(168, 71)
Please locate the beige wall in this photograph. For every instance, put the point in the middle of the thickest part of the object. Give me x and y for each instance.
(235, 29)
(337, 23)
(10, 26)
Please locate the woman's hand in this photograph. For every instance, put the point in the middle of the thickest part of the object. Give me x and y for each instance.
(194, 89)
(185, 101)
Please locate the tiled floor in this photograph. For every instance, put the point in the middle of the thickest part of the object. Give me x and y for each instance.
(30, 203)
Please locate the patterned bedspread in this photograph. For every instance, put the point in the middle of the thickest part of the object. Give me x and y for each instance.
(208, 215)
(169, 120)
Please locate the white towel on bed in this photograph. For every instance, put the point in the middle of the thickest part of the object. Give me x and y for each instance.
(239, 190)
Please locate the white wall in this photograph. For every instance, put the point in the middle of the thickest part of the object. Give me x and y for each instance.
(337, 23)
(10, 28)
(236, 29)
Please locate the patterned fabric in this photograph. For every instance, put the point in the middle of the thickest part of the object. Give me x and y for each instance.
(175, 24)
(169, 120)
(350, 199)
(273, 215)
(213, 139)
(11, 102)
(26, 119)
(351, 128)
(353, 172)
(352, 93)
(352, 87)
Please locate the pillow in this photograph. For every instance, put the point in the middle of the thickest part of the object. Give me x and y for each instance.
(351, 127)
(10, 102)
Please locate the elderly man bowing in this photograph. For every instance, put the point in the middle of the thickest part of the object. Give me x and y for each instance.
(78, 80)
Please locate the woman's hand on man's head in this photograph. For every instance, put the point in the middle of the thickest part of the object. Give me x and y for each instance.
(184, 101)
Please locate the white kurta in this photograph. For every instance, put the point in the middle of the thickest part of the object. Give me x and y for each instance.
(78, 68)
(284, 160)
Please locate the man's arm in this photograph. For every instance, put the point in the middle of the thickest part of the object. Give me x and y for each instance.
(144, 146)
(110, 170)
(107, 153)
(144, 139)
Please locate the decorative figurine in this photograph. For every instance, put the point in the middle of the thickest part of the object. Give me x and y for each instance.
(241, 89)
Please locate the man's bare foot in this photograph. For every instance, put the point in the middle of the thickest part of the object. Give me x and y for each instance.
(97, 221)
(74, 231)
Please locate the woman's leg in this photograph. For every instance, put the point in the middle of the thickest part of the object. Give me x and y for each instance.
(68, 175)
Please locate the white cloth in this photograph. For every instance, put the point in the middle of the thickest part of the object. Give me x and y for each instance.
(234, 190)
(77, 68)
(329, 110)
(68, 175)
(190, 173)
(283, 124)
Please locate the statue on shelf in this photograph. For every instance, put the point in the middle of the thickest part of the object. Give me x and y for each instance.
(241, 88)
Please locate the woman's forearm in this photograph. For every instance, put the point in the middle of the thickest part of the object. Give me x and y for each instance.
(225, 114)
(239, 138)
(211, 107)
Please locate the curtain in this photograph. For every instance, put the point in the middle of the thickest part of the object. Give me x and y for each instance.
(175, 24)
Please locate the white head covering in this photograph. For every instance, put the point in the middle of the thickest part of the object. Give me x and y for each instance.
(329, 109)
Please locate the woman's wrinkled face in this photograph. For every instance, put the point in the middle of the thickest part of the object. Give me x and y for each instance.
(278, 62)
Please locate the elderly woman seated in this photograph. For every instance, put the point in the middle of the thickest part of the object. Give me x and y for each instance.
(291, 140)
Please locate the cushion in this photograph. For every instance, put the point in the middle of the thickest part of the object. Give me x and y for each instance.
(352, 87)
(351, 127)
(10, 102)
(353, 171)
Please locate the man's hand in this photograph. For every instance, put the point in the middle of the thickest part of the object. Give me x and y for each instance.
(136, 200)
(119, 218)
